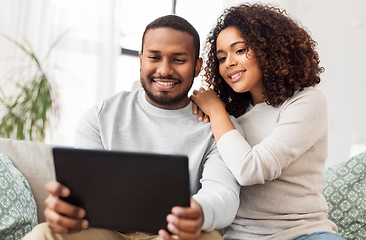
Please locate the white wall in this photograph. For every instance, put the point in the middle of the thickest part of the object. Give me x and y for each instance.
(340, 29)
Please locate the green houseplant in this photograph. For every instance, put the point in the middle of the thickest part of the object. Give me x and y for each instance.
(26, 114)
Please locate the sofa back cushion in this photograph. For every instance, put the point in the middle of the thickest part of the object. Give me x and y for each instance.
(34, 160)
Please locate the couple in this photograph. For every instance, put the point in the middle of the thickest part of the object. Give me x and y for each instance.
(262, 182)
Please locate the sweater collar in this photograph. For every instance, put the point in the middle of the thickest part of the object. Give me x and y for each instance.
(162, 112)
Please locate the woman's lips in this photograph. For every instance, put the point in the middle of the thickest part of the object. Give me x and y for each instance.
(235, 77)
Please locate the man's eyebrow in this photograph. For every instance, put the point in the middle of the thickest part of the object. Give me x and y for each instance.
(231, 46)
(153, 51)
(180, 53)
(176, 53)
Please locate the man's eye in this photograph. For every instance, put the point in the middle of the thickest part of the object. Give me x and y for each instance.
(153, 58)
(178, 60)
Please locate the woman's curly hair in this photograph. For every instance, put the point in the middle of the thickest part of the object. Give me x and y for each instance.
(284, 50)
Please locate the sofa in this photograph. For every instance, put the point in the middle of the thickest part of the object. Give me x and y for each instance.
(345, 188)
(34, 161)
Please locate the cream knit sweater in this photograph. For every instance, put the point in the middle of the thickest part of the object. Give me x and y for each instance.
(280, 164)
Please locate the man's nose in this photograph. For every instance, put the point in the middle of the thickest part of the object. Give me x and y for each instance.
(165, 68)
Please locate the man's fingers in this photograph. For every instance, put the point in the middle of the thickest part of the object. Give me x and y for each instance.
(192, 212)
(56, 228)
(183, 234)
(164, 234)
(57, 189)
(191, 226)
(184, 222)
(63, 224)
(55, 204)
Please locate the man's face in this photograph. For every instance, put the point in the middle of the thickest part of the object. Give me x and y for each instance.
(168, 67)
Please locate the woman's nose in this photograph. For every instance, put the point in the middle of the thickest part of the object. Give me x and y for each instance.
(230, 61)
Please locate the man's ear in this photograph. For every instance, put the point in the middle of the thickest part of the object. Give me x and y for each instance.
(198, 67)
(140, 57)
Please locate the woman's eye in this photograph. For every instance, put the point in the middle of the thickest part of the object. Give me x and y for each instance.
(241, 51)
(222, 59)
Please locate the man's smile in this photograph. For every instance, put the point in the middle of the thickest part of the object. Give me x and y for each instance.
(165, 83)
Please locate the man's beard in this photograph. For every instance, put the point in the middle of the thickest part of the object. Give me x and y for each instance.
(164, 99)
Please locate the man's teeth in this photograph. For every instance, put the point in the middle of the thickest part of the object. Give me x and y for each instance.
(165, 83)
(235, 75)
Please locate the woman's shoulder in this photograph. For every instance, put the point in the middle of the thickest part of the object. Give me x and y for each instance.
(309, 94)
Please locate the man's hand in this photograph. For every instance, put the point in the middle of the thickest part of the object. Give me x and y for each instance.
(185, 223)
(61, 216)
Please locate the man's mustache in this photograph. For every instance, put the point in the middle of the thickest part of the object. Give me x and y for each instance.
(165, 78)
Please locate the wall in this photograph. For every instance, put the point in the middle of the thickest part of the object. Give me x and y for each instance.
(339, 29)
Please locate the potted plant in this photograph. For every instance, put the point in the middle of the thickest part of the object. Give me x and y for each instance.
(26, 114)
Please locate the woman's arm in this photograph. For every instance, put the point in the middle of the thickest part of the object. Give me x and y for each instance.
(302, 121)
(297, 125)
(211, 105)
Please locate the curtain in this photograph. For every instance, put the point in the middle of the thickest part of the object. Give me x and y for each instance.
(83, 64)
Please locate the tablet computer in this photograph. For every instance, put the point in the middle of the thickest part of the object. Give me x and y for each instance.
(124, 191)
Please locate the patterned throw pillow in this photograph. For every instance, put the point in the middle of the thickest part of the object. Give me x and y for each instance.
(345, 192)
(18, 210)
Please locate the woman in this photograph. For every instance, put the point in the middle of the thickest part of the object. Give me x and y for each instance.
(262, 67)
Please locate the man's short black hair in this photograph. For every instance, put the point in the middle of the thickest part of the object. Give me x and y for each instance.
(177, 23)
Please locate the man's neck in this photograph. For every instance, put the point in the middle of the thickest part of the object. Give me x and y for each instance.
(181, 104)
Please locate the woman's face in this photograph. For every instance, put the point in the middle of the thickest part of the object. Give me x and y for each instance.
(238, 65)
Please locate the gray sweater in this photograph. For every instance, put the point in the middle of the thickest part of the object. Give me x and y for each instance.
(126, 121)
(280, 164)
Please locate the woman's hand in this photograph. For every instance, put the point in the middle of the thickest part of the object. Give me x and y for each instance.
(201, 115)
(207, 101)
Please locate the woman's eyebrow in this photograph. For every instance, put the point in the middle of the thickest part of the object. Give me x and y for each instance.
(231, 46)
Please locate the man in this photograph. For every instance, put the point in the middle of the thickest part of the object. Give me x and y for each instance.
(157, 119)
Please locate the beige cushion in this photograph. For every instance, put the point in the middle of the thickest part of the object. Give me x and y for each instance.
(34, 161)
